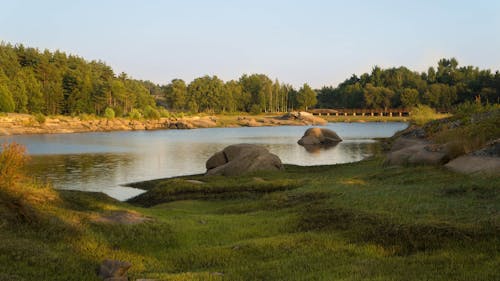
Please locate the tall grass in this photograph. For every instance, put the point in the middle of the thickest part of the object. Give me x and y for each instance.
(20, 196)
(422, 114)
(13, 158)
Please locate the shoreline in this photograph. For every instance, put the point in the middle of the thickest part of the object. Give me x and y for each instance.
(25, 124)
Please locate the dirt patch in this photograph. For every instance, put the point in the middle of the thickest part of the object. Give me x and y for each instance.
(121, 217)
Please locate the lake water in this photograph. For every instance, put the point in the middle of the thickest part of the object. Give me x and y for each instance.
(105, 161)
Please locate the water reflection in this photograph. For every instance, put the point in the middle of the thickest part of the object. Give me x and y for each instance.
(105, 161)
(317, 148)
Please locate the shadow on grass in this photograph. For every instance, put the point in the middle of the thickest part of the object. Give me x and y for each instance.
(401, 239)
(214, 187)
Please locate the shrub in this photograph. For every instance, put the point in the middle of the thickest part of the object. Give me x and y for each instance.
(151, 113)
(422, 114)
(40, 118)
(469, 108)
(109, 113)
(255, 109)
(135, 114)
(85, 117)
(164, 112)
(12, 160)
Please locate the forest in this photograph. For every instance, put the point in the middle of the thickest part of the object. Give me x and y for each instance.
(441, 87)
(55, 83)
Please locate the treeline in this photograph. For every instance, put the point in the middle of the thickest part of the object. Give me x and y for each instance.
(441, 87)
(54, 83)
(250, 93)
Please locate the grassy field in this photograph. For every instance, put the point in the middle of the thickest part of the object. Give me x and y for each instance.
(359, 221)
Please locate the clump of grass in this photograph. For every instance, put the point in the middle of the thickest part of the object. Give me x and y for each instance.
(86, 117)
(13, 158)
(215, 187)
(422, 114)
(20, 197)
(468, 108)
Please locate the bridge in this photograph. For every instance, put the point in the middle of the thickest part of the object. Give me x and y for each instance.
(391, 112)
(361, 112)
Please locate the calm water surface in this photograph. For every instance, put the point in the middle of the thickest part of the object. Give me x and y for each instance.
(106, 161)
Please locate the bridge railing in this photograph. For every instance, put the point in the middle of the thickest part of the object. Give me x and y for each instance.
(361, 112)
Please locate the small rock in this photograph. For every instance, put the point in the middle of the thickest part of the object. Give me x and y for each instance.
(114, 270)
(195, 181)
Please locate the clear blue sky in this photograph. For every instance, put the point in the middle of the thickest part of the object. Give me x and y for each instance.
(313, 41)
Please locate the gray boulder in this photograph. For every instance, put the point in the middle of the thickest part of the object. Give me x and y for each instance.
(413, 151)
(471, 164)
(483, 161)
(315, 136)
(239, 159)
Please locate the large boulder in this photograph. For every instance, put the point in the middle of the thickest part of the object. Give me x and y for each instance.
(483, 161)
(471, 164)
(417, 151)
(239, 159)
(315, 136)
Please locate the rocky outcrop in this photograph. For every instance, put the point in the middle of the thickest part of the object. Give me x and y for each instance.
(319, 136)
(114, 270)
(305, 117)
(239, 159)
(417, 152)
(19, 124)
(414, 147)
(411, 147)
(483, 161)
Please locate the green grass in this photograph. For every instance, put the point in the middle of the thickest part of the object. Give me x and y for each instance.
(359, 221)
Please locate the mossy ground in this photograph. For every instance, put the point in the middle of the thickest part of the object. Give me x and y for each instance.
(359, 221)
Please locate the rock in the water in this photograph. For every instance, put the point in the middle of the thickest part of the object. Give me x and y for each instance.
(315, 136)
(239, 159)
(114, 270)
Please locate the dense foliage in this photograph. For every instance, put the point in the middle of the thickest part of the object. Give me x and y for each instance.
(54, 83)
(399, 87)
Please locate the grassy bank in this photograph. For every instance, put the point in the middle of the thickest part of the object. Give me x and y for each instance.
(359, 221)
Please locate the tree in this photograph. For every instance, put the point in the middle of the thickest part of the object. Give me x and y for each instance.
(306, 97)
(259, 88)
(175, 94)
(409, 97)
(378, 97)
(6, 101)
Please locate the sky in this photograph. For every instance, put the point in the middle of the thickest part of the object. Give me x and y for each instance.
(321, 43)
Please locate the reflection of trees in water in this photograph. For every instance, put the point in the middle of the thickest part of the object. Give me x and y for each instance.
(78, 168)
